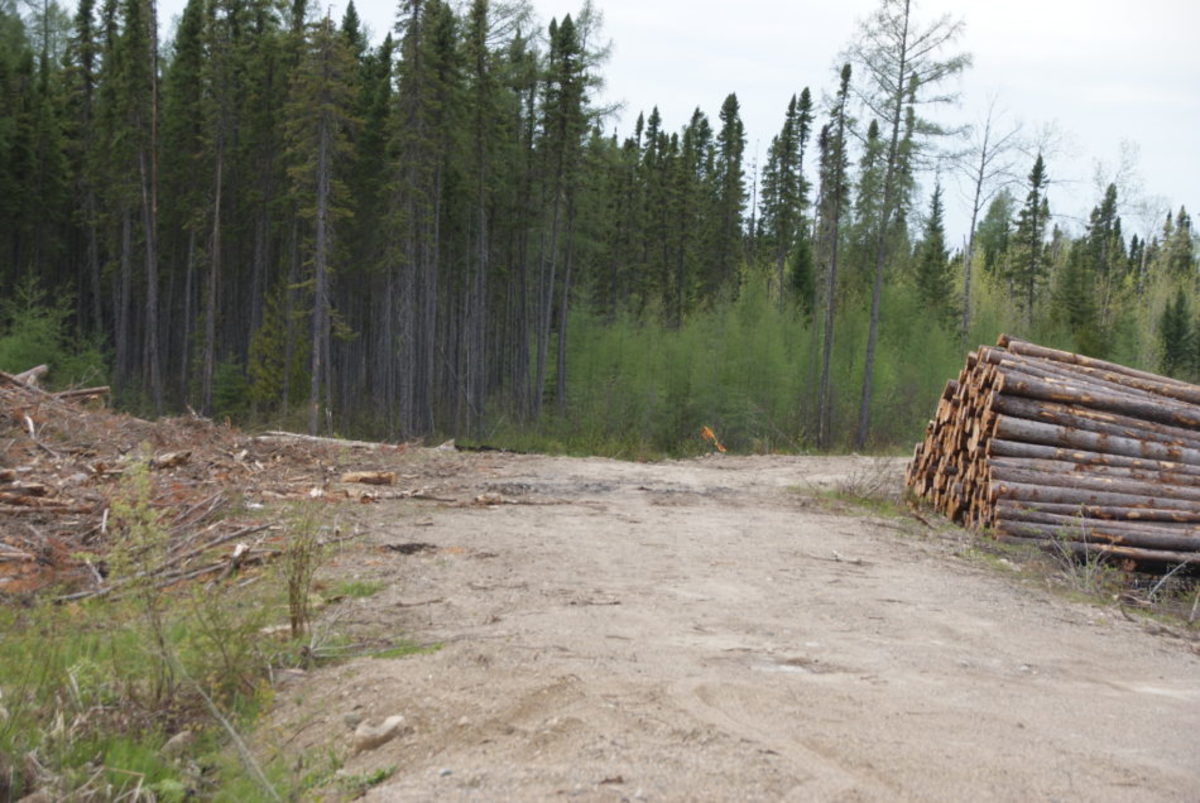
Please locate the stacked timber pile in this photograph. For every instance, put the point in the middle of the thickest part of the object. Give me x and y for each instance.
(1052, 447)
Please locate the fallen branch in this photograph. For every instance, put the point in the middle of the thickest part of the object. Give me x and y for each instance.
(268, 437)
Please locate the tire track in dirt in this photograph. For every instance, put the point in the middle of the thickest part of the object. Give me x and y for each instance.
(703, 630)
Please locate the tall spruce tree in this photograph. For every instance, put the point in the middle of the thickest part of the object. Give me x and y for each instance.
(318, 126)
(729, 179)
(1028, 257)
(933, 275)
(1176, 336)
(834, 201)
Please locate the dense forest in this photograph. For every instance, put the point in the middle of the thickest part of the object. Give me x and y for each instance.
(270, 218)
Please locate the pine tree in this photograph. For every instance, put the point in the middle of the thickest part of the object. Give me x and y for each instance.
(995, 232)
(933, 276)
(1075, 300)
(1028, 262)
(1176, 336)
(784, 188)
(729, 181)
(318, 124)
(1180, 246)
(834, 201)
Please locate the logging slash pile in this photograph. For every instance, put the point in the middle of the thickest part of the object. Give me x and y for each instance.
(64, 462)
(1064, 451)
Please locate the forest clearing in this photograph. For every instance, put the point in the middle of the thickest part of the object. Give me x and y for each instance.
(257, 263)
(502, 626)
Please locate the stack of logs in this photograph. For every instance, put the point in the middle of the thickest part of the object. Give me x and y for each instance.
(1055, 448)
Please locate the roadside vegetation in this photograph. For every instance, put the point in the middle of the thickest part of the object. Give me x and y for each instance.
(145, 693)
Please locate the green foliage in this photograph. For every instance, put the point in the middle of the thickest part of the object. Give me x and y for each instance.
(107, 681)
(359, 589)
(302, 554)
(933, 277)
(231, 389)
(1176, 337)
(747, 369)
(33, 331)
(1028, 263)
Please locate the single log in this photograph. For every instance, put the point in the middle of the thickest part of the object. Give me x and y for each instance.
(1019, 449)
(79, 393)
(13, 380)
(1190, 530)
(1067, 468)
(371, 477)
(1017, 513)
(1054, 494)
(1093, 420)
(269, 437)
(1021, 429)
(1087, 533)
(1111, 512)
(1166, 411)
(1090, 482)
(33, 375)
(1081, 549)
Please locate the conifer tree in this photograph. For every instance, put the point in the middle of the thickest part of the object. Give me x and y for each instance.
(1176, 336)
(1179, 246)
(784, 191)
(1028, 262)
(995, 231)
(933, 277)
(834, 200)
(730, 192)
(318, 123)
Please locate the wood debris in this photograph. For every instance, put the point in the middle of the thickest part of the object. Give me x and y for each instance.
(1050, 447)
(64, 458)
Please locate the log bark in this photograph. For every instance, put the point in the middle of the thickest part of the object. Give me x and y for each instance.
(33, 375)
(297, 437)
(1166, 411)
(1093, 420)
(1102, 534)
(1081, 496)
(1017, 449)
(1080, 549)
(1020, 429)
(1089, 482)
(1067, 468)
(1109, 371)
(1025, 348)
(1109, 512)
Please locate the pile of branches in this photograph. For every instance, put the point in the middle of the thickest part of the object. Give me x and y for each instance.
(64, 460)
(1045, 446)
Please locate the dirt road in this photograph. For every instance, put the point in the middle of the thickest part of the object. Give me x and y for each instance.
(709, 630)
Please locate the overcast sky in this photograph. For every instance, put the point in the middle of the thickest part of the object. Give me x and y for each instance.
(1099, 71)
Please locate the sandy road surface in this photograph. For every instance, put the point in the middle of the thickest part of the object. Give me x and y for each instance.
(702, 630)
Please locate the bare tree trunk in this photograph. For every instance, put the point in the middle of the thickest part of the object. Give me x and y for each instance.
(560, 375)
(881, 237)
(150, 206)
(208, 368)
(185, 336)
(320, 318)
(124, 297)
